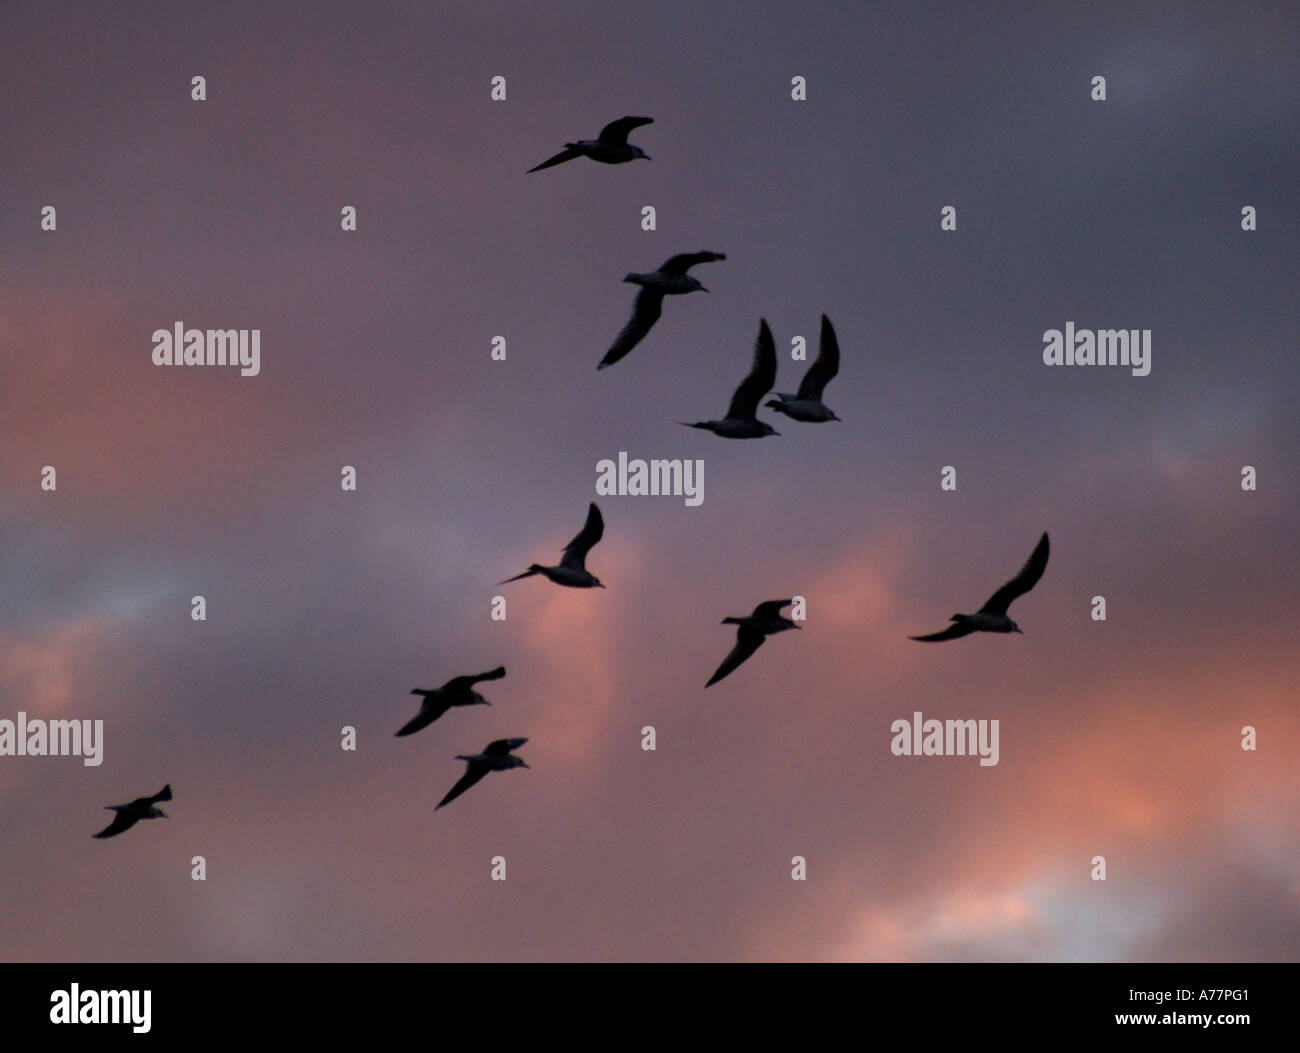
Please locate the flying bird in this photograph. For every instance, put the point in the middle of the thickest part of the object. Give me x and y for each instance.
(610, 147)
(740, 421)
(807, 404)
(672, 279)
(992, 617)
(765, 620)
(130, 814)
(495, 757)
(459, 691)
(572, 570)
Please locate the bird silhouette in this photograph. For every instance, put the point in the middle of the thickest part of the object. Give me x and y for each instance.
(572, 570)
(740, 421)
(130, 814)
(754, 628)
(610, 147)
(807, 405)
(496, 756)
(671, 278)
(459, 691)
(992, 617)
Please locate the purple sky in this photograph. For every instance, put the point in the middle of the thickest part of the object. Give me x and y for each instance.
(1118, 738)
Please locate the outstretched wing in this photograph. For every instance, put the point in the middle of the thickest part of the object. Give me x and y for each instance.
(771, 609)
(821, 372)
(165, 794)
(567, 154)
(953, 631)
(474, 770)
(575, 552)
(747, 642)
(616, 131)
(1022, 582)
(680, 264)
(121, 821)
(460, 684)
(762, 375)
(427, 715)
(501, 747)
(645, 312)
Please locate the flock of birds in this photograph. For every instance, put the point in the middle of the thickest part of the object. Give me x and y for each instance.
(740, 422)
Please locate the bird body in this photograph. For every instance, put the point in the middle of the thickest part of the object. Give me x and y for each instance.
(807, 405)
(741, 421)
(730, 428)
(670, 279)
(992, 617)
(810, 412)
(667, 284)
(753, 630)
(458, 691)
(496, 756)
(610, 147)
(572, 569)
(130, 814)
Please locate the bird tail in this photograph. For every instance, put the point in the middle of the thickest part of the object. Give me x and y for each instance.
(533, 568)
(697, 424)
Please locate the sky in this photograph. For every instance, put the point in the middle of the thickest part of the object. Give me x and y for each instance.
(1119, 738)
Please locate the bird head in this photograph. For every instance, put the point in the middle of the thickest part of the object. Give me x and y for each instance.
(833, 417)
(1016, 629)
(638, 152)
(478, 700)
(596, 583)
(767, 428)
(161, 814)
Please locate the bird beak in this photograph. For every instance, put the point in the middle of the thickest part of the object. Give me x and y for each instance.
(798, 626)
(703, 289)
(525, 764)
(599, 586)
(1020, 630)
(646, 156)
